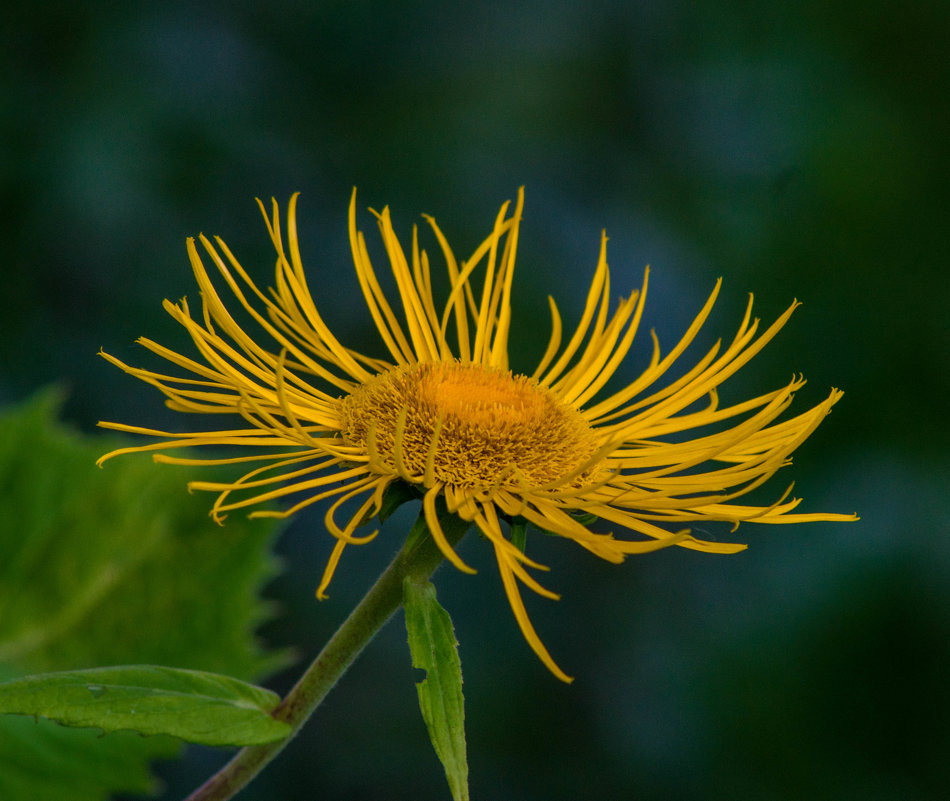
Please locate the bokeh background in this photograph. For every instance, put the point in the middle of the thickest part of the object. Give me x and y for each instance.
(796, 149)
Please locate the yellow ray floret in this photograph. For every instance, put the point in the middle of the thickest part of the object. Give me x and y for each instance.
(443, 411)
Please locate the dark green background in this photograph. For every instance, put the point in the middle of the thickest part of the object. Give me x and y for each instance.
(796, 149)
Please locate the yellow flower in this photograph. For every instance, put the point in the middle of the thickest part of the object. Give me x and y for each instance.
(445, 414)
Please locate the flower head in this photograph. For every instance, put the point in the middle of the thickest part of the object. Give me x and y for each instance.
(444, 413)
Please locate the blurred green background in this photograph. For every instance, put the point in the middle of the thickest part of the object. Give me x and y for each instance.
(796, 149)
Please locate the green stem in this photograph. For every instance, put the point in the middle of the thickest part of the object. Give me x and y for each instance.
(419, 558)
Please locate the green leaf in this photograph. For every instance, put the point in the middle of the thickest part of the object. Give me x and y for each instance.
(199, 707)
(519, 533)
(434, 648)
(42, 760)
(119, 565)
(584, 518)
(396, 494)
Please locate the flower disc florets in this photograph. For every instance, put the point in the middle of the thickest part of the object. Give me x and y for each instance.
(467, 425)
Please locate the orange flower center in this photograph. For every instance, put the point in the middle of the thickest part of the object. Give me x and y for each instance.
(468, 425)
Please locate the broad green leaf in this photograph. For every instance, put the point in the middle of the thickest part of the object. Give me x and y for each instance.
(434, 649)
(42, 760)
(119, 565)
(199, 707)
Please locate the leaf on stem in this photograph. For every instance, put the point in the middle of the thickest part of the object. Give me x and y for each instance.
(434, 648)
(203, 708)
